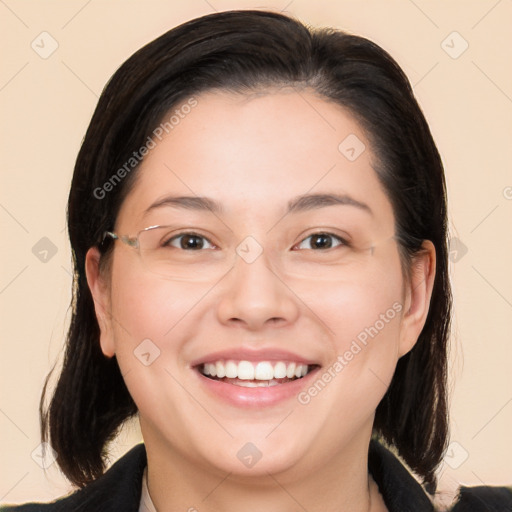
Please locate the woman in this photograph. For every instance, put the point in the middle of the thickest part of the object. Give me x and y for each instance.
(258, 224)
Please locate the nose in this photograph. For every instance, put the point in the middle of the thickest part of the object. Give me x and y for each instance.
(254, 296)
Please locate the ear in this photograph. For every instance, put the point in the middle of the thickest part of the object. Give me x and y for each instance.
(100, 290)
(418, 292)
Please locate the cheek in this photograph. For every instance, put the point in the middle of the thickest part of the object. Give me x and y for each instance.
(362, 313)
(153, 319)
(150, 315)
(146, 306)
(360, 305)
(363, 316)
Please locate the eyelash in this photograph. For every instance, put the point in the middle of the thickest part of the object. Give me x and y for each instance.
(342, 242)
(187, 233)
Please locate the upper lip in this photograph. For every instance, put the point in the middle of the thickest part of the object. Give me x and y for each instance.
(246, 354)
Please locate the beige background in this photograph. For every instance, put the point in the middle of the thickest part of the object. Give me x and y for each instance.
(46, 105)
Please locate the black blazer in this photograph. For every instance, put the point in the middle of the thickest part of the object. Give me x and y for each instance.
(119, 489)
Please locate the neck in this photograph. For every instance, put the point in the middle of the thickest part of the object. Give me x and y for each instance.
(340, 483)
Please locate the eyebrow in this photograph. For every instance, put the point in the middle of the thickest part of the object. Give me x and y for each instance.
(299, 204)
(315, 201)
(188, 203)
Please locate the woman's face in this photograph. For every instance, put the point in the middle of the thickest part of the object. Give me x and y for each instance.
(282, 259)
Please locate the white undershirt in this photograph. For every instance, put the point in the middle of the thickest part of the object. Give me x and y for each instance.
(146, 505)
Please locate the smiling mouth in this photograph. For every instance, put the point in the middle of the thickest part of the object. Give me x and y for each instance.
(255, 374)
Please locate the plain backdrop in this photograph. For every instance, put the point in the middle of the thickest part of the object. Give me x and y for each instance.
(57, 56)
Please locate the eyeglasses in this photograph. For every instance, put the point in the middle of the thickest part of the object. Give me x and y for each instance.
(177, 254)
(181, 254)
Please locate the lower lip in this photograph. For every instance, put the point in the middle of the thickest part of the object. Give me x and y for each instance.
(256, 397)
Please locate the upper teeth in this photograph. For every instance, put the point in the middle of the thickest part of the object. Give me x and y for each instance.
(247, 370)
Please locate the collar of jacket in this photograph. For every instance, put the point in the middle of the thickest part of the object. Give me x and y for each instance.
(401, 492)
(119, 489)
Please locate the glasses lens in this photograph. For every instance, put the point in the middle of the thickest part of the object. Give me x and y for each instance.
(187, 256)
(180, 255)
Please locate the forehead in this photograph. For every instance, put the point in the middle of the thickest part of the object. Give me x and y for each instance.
(253, 153)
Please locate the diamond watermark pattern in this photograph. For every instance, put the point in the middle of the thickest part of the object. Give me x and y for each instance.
(454, 45)
(456, 455)
(249, 249)
(44, 250)
(44, 455)
(147, 352)
(249, 455)
(351, 147)
(457, 250)
(44, 45)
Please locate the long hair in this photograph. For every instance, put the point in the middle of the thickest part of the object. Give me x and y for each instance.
(244, 51)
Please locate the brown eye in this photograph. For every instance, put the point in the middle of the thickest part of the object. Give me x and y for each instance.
(190, 241)
(319, 241)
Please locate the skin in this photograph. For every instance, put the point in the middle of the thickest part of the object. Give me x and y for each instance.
(252, 154)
